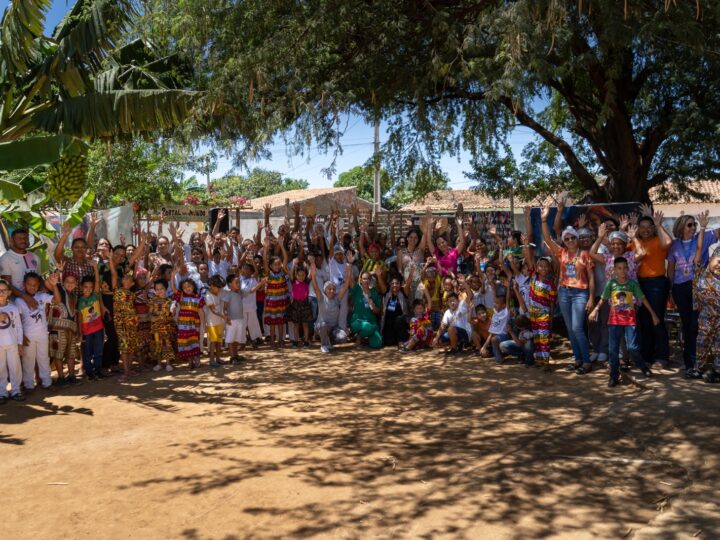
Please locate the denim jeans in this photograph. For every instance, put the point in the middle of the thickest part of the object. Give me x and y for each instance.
(92, 349)
(682, 294)
(314, 309)
(654, 339)
(572, 304)
(524, 352)
(615, 335)
(598, 332)
(497, 351)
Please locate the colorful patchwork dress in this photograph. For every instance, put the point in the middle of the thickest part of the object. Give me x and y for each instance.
(162, 328)
(277, 298)
(543, 295)
(188, 325)
(126, 323)
(706, 293)
(143, 317)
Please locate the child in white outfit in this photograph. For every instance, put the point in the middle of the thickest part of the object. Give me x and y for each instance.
(35, 332)
(11, 340)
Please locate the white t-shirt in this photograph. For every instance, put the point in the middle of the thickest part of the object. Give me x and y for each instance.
(499, 321)
(16, 266)
(523, 282)
(216, 301)
(34, 321)
(321, 275)
(11, 332)
(458, 318)
(220, 269)
(249, 297)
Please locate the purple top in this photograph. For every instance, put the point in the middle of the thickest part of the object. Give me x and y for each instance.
(300, 290)
(683, 252)
(448, 262)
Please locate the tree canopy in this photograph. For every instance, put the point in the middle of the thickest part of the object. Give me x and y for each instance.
(258, 183)
(620, 95)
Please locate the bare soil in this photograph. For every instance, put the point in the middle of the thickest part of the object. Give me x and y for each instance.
(364, 444)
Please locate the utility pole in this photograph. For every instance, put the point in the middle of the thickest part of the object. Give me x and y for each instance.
(207, 173)
(376, 172)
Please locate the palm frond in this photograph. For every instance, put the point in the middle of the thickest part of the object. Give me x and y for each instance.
(122, 111)
(21, 28)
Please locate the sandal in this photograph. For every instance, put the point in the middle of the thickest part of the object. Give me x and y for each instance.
(582, 370)
(573, 367)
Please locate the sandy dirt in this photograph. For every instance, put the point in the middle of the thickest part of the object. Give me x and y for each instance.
(363, 445)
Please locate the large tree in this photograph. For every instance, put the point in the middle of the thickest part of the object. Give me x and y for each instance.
(621, 95)
(258, 183)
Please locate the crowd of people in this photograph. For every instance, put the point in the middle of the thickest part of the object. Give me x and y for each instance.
(121, 309)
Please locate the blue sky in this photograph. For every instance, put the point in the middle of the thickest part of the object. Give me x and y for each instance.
(357, 143)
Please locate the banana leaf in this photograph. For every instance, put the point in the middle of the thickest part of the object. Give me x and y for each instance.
(35, 151)
(81, 207)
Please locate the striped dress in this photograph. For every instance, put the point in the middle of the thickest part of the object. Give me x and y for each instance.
(188, 325)
(277, 298)
(543, 294)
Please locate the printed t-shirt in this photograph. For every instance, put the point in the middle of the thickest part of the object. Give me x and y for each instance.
(682, 253)
(622, 299)
(34, 321)
(458, 318)
(653, 264)
(90, 314)
(574, 270)
(17, 265)
(214, 301)
(498, 324)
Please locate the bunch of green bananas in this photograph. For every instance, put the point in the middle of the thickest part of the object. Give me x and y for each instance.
(67, 178)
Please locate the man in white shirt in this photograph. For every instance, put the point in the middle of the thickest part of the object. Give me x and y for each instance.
(18, 261)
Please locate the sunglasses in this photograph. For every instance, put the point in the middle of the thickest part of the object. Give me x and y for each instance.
(571, 238)
(691, 225)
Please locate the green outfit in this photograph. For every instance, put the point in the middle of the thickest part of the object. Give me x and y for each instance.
(363, 321)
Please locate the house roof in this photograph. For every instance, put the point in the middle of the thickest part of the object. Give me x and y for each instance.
(322, 198)
(472, 200)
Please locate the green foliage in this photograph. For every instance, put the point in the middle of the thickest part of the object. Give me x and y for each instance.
(362, 179)
(259, 183)
(138, 171)
(621, 95)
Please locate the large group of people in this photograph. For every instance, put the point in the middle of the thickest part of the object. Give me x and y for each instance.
(115, 310)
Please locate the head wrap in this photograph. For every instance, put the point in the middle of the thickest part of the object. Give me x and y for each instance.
(374, 245)
(585, 232)
(569, 231)
(620, 235)
(338, 249)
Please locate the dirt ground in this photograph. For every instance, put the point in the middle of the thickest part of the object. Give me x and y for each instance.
(363, 445)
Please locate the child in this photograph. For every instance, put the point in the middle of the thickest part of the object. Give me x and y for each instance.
(623, 294)
(215, 318)
(432, 288)
(455, 326)
(11, 340)
(142, 313)
(125, 319)
(498, 328)
(520, 343)
(35, 332)
(63, 328)
(542, 296)
(190, 318)
(90, 324)
(162, 326)
(300, 311)
(277, 296)
(481, 324)
(421, 333)
(241, 311)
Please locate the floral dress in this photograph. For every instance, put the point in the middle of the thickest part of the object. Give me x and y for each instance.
(188, 325)
(542, 296)
(162, 328)
(126, 321)
(706, 293)
(277, 298)
(143, 317)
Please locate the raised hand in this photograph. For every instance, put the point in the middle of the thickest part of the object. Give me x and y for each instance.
(582, 221)
(526, 211)
(632, 231)
(602, 230)
(545, 214)
(645, 210)
(657, 218)
(354, 209)
(349, 257)
(624, 222)
(704, 219)
(267, 210)
(95, 219)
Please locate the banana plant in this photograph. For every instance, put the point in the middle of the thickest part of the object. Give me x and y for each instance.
(80, 83)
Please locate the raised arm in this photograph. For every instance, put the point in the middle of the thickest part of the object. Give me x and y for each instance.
(220, 216)
(113, 273)
(427, 236)
(602, 233)
(703, 220)
(557, 223)
(552, 245)
(90, 236)
(60, 247)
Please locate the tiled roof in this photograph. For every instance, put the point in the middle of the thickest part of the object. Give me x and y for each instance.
(669, 194)
(322, 198)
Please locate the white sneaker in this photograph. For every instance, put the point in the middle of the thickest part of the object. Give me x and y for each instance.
(168, 367)
(594, 357)
(602, 357)
(324, 349)
(157, 367)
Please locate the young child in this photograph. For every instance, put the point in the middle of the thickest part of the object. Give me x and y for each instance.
(432, 288)
(11, 340)
(542, 296)
(455, 327)
(277, 296)
(162, 326)
(498, 328)
(481, 324)
(215, 318)
(63, 327)
(190, 318)
(300, 311)
(125, 319)
(142, 313)
(35, 332)
(90, 324)
(421, 332)
(241, 311)
(623, 294)
(520, 343)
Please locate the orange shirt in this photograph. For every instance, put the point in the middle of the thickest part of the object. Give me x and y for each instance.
(574, 270)
(653, 264)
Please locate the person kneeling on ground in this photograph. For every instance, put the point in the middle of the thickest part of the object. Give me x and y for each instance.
(421, 332)
(498, 325)
(329, 300)
(455, 327)
(520, 343)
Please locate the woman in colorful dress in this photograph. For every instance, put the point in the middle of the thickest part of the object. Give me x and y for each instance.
(277, 292)
(190, 318)
(125, 319)
(706, 293)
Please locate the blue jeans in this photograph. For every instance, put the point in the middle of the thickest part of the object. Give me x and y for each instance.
(497, 350)
(654, 339)
(572, 304)
(92, 349)
(615, 335)
(682, 294)
(524, 352)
